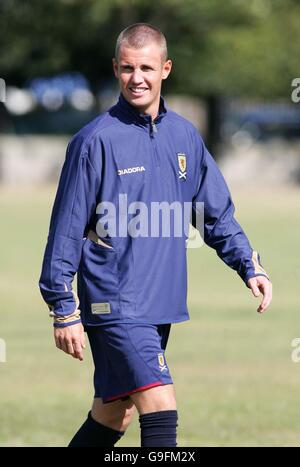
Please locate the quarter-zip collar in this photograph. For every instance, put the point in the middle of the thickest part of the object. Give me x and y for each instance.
(138, 118)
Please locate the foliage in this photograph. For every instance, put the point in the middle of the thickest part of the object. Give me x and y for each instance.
(236, 47)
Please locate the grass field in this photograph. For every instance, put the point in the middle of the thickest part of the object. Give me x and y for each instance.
(235, 381)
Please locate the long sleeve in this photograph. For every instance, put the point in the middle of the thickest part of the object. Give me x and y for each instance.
(74, 204)
(221, 230)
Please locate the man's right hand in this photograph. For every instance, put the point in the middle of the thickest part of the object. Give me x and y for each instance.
(71, 340)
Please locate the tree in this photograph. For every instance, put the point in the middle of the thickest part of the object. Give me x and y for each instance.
(229, 48)
(233, 48)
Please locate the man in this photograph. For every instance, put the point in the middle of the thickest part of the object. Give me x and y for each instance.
(132, 279)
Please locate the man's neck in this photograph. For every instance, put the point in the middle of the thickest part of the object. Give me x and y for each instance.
(152, 110)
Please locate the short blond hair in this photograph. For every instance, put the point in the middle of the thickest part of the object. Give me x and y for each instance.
(139, 35)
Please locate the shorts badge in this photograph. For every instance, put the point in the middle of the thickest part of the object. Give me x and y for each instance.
(161, 362)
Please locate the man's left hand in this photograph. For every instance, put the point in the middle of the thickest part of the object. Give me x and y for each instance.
(261, 284)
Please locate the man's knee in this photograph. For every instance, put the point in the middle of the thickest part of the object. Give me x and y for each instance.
(117, 415)
(158, 416)
(155, 399)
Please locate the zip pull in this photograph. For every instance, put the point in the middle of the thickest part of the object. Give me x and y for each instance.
(153, 127)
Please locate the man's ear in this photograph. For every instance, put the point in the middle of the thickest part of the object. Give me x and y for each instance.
(115, 67)
(167, 67)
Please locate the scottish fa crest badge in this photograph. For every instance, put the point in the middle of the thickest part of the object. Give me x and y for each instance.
(182, 165)
(161, 362)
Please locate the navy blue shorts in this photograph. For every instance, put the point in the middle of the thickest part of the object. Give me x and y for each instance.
(128, 358)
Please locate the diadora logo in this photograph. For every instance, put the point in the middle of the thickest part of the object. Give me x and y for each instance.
(131, 170)
(182, 165)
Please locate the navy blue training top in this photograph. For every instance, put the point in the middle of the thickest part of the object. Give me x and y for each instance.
(116, 220)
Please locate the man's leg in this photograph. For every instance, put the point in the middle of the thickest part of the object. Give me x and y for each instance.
(105, 424)
(158, 415)
(116, 415)
(155, 399)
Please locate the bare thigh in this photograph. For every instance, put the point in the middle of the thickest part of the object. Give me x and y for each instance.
(155, 399)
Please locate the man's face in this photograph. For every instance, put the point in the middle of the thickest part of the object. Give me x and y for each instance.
(140, 73)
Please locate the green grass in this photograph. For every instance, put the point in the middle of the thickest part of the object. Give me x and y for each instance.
(235, 382)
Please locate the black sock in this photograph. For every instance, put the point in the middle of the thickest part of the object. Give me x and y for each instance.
(158, 428)
(94, 434)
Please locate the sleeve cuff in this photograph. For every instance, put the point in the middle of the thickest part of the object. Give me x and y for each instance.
(64, 325)
(63, 321)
